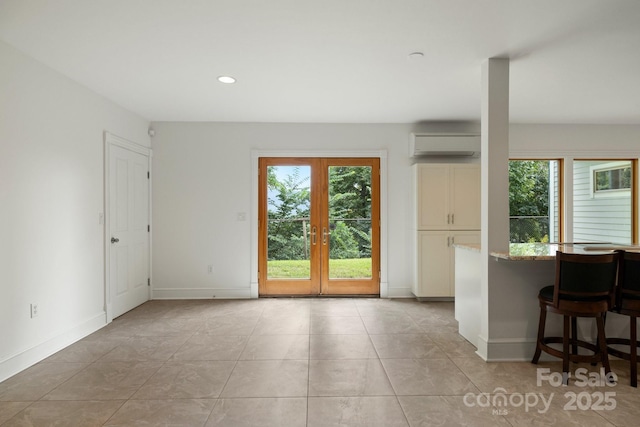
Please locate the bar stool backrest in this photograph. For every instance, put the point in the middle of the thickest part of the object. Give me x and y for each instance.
(585, 277)
(629, 280)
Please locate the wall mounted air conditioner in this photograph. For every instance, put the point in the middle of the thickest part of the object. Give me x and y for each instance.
(444, 144)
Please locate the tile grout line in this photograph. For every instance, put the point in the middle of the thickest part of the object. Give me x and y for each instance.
(220, 398)
(404, 414)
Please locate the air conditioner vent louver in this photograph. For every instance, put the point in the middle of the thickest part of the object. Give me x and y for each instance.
(444, 144)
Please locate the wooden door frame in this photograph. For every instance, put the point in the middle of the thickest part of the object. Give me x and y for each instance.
(337, 286)
(109, 141)
(289, 286)
(254, 233)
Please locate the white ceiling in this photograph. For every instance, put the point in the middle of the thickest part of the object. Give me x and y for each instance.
(342, 61)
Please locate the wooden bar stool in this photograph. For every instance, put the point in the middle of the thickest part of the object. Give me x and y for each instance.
(584, 287)
(628, 303)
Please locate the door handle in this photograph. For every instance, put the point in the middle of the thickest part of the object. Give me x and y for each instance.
(313, 235)
(324, 235)
(114, 240)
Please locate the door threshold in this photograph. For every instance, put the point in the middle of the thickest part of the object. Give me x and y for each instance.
(321, 296)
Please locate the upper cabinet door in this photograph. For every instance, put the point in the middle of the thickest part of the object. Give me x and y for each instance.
(433, 188)
(465, 197)
(448, 196)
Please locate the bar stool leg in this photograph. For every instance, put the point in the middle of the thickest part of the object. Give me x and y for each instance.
(541, 324)
(574, 335)
(633, 351)
(602, 341)
(565, 350)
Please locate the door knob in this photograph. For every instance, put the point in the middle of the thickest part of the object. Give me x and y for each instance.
(114, 240)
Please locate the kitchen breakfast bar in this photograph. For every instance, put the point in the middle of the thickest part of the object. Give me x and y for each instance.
(502, 320)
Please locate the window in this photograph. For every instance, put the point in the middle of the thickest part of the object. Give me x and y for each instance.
(602, 201)
(534, 201)
(612, 179)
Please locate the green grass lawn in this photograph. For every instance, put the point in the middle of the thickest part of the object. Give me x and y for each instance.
(338, 269)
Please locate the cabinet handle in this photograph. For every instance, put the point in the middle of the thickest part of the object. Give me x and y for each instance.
(452, 220)
(448, 218)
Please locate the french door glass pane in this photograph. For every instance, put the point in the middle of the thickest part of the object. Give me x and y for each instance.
(534, 201)
(350, 222)
(288, 233)
(602, 201)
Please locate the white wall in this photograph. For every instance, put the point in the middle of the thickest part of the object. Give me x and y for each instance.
(579, 140)
(202, 178)
(51, 194)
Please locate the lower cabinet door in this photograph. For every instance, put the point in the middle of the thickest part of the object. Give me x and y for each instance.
(434, 258)
(435, 272)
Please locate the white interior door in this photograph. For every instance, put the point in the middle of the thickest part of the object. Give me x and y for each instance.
(129, 229)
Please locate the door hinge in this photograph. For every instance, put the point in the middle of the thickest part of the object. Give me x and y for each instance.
(149, 281)
(148, 229)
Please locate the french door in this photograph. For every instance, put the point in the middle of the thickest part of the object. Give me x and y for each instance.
(319, 226)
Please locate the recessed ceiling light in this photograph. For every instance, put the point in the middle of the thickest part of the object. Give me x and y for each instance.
(226, 79)
(416, 55)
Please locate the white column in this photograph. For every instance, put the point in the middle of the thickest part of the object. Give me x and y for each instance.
(495, 181)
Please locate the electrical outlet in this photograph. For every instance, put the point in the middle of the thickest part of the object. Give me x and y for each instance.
(34, 310)
(210, 269)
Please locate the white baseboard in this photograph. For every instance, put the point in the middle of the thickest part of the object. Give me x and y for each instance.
(251, 292)
(509, 350)
(522, 349)
(29, 357)
(399, 293)
(200, 293)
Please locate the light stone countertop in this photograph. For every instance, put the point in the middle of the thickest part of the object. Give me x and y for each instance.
(547, 251)
(475, 247)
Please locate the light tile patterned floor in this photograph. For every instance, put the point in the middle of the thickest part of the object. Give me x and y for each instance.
(296, 362)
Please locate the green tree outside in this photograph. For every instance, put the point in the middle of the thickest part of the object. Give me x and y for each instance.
(349, 213)
(529, 197)
(288, 206)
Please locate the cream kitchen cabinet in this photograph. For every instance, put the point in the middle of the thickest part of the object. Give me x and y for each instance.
(435, 276)
(448, 196)
(447, 212)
